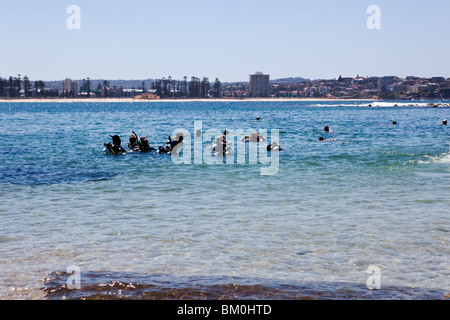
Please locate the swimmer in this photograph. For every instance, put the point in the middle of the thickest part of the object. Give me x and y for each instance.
(172, 144)
(394, 122)
(139, 144)
(144, 145)
(221, 144)
(178, 139)
(326, 129)
(115, 147)
(133, 145)
(444, 122)
(273, 146)
(325, 139)
(254, 137)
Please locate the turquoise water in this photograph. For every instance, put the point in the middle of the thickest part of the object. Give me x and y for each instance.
(378, 196)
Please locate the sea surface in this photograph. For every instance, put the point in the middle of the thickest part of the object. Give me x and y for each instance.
(363, 215)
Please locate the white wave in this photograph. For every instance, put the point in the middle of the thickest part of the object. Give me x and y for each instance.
(383, 104)
(395, 104)
(443, 158)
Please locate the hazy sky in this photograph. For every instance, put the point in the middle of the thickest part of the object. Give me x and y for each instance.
(141, 39)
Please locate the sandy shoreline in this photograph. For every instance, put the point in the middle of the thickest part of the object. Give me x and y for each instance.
(113, 100)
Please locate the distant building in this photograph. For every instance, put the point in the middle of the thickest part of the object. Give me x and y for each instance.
(438, 79)
(69, 88)
(385, 82)
(418, 88)
(147, 96)
(259, 85)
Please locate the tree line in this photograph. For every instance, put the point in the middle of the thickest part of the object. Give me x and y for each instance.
(16, 86)
(195, 88)
(12, 88)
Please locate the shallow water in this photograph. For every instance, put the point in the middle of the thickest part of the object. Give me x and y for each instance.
(378, 196)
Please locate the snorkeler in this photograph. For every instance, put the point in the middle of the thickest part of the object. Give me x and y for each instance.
(145, 145)
(254, 137)
(138, 144)
(175, 143)
(178, 138)
(133, 145)
(171, 144)
(114, 147)
(325, 139)
(273, 146)
(221, 144)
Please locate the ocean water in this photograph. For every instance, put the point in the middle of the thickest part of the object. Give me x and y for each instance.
(139, 226)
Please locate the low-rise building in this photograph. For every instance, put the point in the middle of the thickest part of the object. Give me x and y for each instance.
(146, 96)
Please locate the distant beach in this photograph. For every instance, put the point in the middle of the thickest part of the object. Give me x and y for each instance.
(112, 100)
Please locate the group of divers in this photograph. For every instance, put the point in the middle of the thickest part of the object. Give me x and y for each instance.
(141, 144)
(220, 146)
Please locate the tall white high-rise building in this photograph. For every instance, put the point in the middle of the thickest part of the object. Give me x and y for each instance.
(69, 88)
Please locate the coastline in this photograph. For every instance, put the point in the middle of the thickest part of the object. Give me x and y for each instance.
(114, 100)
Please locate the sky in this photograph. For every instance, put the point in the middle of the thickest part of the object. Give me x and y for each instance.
(229, 40)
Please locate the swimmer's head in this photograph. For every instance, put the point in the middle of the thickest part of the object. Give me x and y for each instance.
(444, 122)
(321, 139)
(116, 140)
(326, 129)
(132, 138)
(394, 122)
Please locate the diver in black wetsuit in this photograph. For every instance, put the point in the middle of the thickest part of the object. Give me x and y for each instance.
(144, 146)
(273, 146)
(139, 144)
(133, 145)
(115, 147)
(172, 144)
